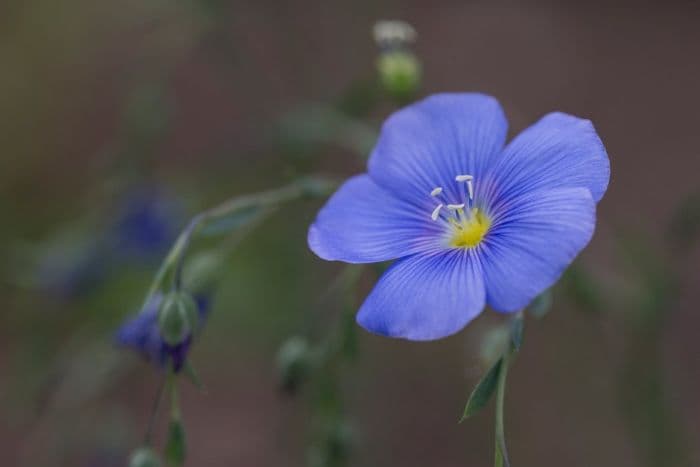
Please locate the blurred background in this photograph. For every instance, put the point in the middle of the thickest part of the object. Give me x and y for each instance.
(121, 120)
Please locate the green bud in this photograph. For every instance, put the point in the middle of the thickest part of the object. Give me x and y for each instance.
(494, 344)
(339, 442)
(202, 271)
(541, 305)
(177, 318)
(293, 363)
(144, 457)
(400, 73)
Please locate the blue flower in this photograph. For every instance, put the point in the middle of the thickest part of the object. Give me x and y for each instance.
(145, 225)
(141, 333)
(471, 221)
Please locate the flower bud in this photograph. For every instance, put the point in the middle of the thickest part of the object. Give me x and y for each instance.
(293, 363)
(144, 457)
(399, 72)
(494, 344)
(202, 272)
(177, 317)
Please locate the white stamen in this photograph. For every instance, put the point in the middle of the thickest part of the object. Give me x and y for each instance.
(436, 212)
(470, 187)
(464, 178)
(454, 207)
(436, 191)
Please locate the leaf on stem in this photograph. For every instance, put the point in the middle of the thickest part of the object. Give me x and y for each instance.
(233, 220)
(483, 391)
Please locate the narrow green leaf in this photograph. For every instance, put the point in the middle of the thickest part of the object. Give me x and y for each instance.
(483, 391)
(233, 220)
(176, 449)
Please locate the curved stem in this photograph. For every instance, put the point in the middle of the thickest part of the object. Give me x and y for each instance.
(173, 263)
(501, 455)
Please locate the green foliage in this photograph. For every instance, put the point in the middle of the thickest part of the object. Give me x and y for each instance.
(294, 362)
(483, 391)
(176, 447)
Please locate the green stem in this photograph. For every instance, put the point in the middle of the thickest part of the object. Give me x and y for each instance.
(501, 455)
(173, 263)
(174, 400)
(148, 437)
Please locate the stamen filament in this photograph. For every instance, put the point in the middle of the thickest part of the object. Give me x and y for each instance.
(436, 212)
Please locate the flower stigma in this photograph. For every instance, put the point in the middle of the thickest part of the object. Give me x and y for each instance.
(467, 224)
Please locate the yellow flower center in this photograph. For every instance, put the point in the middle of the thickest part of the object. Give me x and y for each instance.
(467, 224)
(468, 231)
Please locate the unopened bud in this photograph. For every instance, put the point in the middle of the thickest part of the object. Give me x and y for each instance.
(144, 457)
(293, 363)
(494, 344)
(177, 317)
(202, 272)
(400, 73)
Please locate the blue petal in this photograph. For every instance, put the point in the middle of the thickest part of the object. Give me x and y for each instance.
(425, 297)
(559, 151)
(141, 333)
(428, 143)
(362, 223)
(533, 239)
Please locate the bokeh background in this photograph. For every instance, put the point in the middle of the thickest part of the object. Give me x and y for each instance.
(120, 120)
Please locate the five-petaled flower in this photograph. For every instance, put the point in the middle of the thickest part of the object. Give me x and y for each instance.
(142, 334)
(470, 220)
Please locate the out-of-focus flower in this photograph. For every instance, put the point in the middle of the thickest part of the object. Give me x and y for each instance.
(470, 220)
(142, 227)
(145, 225)
(390, 34)
(142, 334)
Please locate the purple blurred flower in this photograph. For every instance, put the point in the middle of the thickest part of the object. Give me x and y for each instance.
(469, 219)
(141, 333)
(146, 224)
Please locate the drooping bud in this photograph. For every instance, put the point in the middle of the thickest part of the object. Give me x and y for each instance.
(177, 317)
(202, 272)
(144, 457)
(293, 363)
